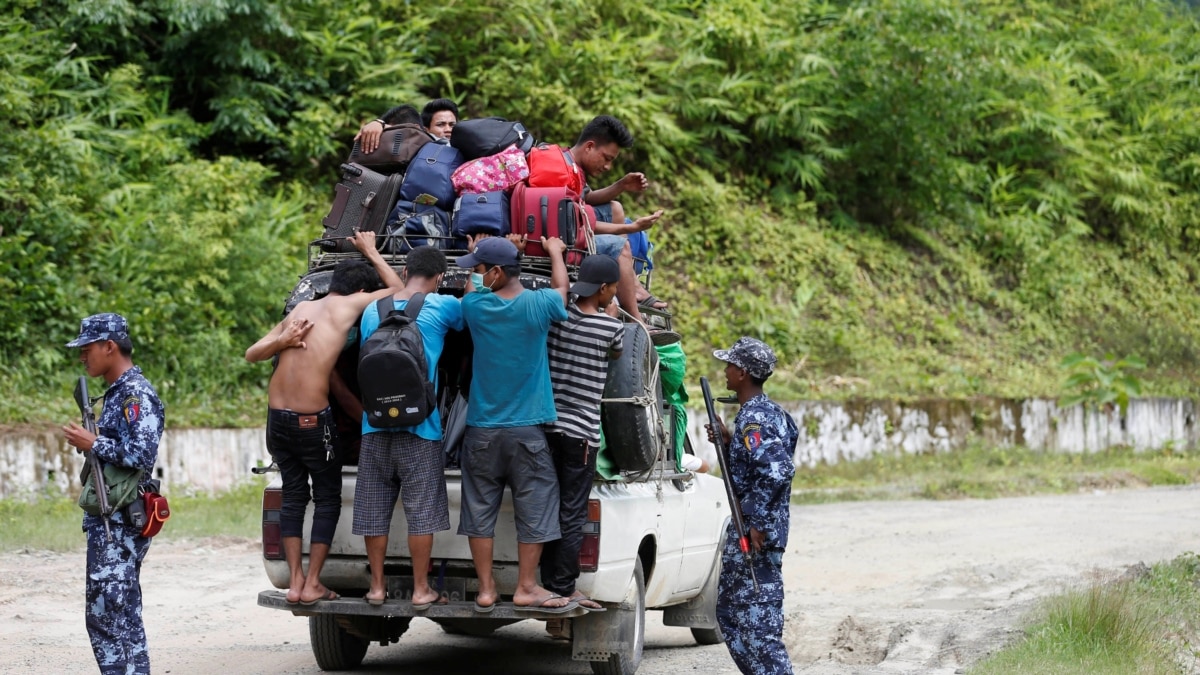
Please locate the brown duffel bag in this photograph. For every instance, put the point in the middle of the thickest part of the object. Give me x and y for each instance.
(398, 144)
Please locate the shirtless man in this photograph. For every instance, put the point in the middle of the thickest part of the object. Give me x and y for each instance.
(301, 435)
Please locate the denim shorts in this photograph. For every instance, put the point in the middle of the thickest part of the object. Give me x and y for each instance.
(610, 245)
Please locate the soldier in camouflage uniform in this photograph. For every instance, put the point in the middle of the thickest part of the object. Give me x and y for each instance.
(761, 448)
(130, 427)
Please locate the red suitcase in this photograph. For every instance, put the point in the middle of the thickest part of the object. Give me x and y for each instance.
(552, 212)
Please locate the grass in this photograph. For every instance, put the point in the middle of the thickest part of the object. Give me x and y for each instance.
(989, 472)
(53, 523)
(1139, 625)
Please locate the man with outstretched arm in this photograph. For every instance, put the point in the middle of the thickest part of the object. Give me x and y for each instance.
(761, 448)
(301, 435)
(510, 400)
(130, 428)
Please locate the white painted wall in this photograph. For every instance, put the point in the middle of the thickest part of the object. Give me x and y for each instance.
(216, 459)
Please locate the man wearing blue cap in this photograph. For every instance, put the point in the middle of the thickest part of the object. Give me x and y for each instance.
(510, 399)
(760, 454)
(130, 427)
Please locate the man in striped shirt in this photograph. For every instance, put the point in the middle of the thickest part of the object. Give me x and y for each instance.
(579, 349)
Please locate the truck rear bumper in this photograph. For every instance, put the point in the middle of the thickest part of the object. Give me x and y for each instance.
(403, 608)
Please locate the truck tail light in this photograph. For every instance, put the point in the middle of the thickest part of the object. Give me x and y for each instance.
(272, 538)
(589, 552)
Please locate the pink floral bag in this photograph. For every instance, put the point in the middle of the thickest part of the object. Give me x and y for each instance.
(489, 174)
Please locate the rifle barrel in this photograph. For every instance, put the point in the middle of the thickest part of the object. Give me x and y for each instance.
(93, 462)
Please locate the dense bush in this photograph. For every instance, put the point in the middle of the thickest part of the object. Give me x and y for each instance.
(908, 197)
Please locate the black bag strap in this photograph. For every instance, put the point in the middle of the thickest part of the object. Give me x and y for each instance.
(385, 306)
(415, 303)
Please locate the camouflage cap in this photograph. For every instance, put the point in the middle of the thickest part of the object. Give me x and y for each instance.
(97, 327)
(753, 356)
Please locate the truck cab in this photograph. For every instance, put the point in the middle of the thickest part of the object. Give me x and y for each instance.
(652, 538)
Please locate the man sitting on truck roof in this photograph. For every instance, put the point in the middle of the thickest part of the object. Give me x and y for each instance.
(438, 117)
(598, 146)
(301, 434)
(579, 351)
(510, 399)
(408, 461)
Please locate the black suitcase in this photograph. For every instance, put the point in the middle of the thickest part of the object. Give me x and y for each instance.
(362, 200)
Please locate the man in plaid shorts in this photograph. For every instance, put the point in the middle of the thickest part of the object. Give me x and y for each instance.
(408, 461)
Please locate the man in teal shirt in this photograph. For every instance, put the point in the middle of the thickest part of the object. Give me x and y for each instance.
(408, 462)
(511, 398)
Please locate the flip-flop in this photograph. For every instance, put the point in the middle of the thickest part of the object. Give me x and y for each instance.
(484, 609)
(376, 602)
(540, 608)
(650, 301)
(421, 607)
(329, 595)
(582, 601)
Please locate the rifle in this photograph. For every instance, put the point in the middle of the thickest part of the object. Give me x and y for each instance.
(93, 467)
(735, 506)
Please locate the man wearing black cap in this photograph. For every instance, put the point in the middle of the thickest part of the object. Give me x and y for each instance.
(130, 427)
(761, 448)
(579, 350)
(510, 399)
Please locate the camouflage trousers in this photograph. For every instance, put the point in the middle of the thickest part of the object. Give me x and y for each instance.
(113, 597)
(750, 620)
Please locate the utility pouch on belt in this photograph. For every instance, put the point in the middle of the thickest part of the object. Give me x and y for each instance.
(149, 511)
(122, 483)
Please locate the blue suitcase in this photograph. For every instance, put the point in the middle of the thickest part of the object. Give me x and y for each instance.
(481, 213)
(427, 180)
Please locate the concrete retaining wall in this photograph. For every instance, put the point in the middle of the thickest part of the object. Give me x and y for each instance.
(32, 462)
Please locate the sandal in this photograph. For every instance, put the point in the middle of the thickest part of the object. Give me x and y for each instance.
(651, 302)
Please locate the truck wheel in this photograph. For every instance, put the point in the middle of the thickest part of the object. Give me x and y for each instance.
(630, 429)
(627, 662)
(333, 647)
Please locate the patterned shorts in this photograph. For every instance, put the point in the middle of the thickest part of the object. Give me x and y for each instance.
(398, 463)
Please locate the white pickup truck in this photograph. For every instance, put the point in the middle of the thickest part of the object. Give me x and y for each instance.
(652, 539)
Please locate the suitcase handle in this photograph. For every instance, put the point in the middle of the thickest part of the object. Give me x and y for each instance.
(544, 203)
(351, 170)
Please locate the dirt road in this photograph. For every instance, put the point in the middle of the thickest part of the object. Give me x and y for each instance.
(873, 587)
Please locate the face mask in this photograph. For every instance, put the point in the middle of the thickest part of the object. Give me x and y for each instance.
(477, 280)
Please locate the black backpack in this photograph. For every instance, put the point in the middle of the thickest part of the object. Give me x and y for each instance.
(392, 374)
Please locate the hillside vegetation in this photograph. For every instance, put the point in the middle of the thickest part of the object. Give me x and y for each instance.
(905, 197)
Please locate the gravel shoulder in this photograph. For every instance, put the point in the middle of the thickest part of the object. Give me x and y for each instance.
(873, 587)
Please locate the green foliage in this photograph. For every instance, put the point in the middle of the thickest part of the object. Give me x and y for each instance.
(1101, 384)
(53, 522)
(904, 197)
(1129, 625)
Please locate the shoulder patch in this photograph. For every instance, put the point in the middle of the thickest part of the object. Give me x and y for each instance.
(132, 407)
(752, 436)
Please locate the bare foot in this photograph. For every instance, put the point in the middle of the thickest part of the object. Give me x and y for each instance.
(540, 598)
(425, 597)
(376, 597)
(293, 596)
(584, 601)
(487, 598)
(313, 593)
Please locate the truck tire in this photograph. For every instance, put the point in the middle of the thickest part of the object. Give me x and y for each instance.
(631, 430)
(333, 647)
(627, 662)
